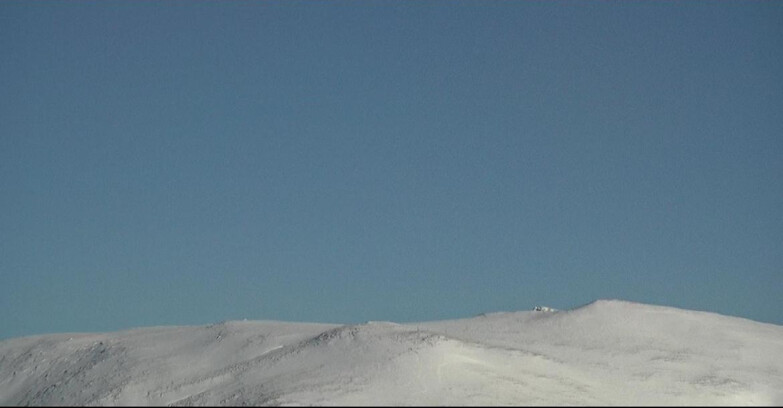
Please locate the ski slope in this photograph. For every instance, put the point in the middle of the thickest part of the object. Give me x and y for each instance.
(606, 353)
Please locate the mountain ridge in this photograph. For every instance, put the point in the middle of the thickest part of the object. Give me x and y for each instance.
(606, 352)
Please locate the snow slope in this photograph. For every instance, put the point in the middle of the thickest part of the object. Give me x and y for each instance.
(605, 353)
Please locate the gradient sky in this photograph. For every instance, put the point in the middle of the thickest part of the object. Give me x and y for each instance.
(167, 163)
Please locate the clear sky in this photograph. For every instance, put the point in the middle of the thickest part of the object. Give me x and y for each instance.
(167, 163)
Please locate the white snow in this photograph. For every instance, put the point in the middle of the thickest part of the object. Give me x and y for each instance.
(605, 353)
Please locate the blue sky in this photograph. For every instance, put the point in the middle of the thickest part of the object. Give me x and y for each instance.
(168, 163)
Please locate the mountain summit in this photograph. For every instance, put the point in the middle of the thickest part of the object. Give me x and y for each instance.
(608, 352)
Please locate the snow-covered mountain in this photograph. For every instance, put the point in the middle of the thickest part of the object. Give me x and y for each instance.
(606, 353)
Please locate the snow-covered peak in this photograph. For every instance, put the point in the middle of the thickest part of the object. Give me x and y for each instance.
(606, 353)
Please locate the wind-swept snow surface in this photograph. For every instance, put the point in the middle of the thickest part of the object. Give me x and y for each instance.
(605, 353)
